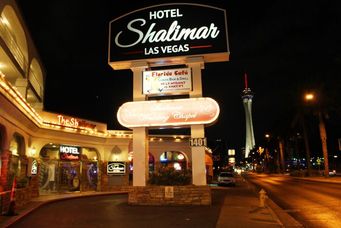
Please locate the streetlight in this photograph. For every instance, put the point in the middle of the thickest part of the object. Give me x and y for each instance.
(310, 97)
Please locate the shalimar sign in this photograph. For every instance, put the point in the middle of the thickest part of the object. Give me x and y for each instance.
(168, 32)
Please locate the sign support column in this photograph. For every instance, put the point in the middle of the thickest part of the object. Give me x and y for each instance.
(197, 131)
(140, 134)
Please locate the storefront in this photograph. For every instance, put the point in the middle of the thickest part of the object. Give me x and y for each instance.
(67, 168)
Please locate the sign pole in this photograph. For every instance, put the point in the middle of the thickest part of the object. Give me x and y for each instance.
(140, 134)
(197, 131)
(159, 36)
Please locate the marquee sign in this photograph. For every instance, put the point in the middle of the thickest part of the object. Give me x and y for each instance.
(169, 81)
(168, 31)
(116, 167)
(168, 113)
(71, 122)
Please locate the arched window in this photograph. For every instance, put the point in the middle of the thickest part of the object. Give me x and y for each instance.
(18, 165)
(90, 158)
(174, 159)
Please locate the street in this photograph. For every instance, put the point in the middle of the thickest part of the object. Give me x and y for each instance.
(314, 204)
(236, 206)
(113, 211)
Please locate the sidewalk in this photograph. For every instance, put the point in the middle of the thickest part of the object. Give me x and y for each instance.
(245, 211)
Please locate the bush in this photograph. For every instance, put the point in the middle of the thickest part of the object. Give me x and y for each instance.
(170, 176)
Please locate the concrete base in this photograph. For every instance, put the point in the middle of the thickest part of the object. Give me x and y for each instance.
(170, 195)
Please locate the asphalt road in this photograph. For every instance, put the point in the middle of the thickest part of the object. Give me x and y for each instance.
(313, 204)
(113, 211)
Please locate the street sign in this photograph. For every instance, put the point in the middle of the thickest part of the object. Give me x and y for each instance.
(194, 142)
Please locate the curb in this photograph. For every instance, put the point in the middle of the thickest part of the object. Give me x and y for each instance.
(283, 218)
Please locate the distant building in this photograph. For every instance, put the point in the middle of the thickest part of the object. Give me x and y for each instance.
(247, 96)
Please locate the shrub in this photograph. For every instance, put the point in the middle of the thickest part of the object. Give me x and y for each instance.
(170, 176)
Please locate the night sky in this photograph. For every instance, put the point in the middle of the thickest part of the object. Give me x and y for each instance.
(285, 47)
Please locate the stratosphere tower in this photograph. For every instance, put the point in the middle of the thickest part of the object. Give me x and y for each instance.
(247, 96)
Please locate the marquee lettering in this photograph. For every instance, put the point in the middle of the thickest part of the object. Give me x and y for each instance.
(167, 13)
(69, 150)
(72, 122)
(173, 33)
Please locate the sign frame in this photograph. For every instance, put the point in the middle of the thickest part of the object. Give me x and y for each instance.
(147, 39)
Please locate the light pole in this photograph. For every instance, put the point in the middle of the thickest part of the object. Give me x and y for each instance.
(267, 154)
(306, 143)
(310, 97)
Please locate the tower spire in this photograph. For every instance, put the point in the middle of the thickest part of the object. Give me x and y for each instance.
(245, 80)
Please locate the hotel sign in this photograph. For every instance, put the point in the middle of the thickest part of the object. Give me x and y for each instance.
(70, 153)
(172, 81)
(168, 30)
(168, 113)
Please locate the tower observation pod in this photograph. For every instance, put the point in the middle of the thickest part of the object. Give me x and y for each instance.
(247, 96)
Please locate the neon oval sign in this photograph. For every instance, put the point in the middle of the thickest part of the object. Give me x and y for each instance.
(168, 113)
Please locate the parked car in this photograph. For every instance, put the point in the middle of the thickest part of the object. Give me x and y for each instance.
(226, 178)
(332, 172)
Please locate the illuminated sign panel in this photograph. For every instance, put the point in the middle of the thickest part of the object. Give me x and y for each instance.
(116, 167)
(167, 81)
(231, 152)
(171, 113)
(69, 152)
(34, 167)
(169, 30)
